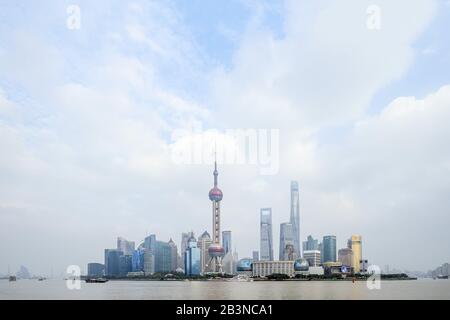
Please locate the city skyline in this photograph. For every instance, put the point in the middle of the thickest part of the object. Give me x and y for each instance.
(91, 113)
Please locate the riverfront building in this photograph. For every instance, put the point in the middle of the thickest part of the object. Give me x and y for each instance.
(266, 238)
(267, 268)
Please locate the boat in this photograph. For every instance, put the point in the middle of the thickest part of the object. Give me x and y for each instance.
(98, 280)
(41, 279)
(442, 277)
(12, 278)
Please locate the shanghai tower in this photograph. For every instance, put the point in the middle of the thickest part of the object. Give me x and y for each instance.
(295, 217)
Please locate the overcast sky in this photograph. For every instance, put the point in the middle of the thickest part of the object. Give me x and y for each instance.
(87, 117)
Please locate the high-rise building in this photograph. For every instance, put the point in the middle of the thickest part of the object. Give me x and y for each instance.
(310, 244)
(163, 257)
(125, 262)
(203, 244)
(215, 250)
(355, 243)
(266, 238)
(226, 240)
(150, 242)
(149, 262)
(321, 251)
(286, 242)
(112, 262)
(96, 270)
(127, 247)
(295, 216)
(174, 254)
(185, 236)
(255, 256)
(313, 257)
(329, 249)
(228, 263)
(345, 256)
(137, 260)
(192, 261)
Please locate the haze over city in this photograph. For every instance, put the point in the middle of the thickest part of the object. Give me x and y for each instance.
(88, 115)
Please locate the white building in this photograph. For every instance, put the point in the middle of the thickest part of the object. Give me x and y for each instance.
(266, 268)
(313, 257)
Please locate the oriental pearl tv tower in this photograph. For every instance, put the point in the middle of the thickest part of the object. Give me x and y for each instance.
(215, 250)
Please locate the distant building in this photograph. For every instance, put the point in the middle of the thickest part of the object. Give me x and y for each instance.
(137, 260)
(310, 244)
(313, 257)
(255, 255)
(266, 238)
(150, 243)
(127, 247)
(287, 248)
(203, 244)
(112, 262)
(355, 243)
(95, 270)
(149, 262)
(329, 249)
(228, 263)
(185, 236)
(23, 273)
(295, 217)
(192, 262)
(125, 262)
(267, 268)
(363, 266)
(226, 240)
(173, 255)
(163, 257)
(345, 256)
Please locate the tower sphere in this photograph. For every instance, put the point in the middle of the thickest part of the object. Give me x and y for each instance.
(215, 194)
(216, 250)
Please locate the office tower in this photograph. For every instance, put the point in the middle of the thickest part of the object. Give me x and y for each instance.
(125, 262)
(192, 261)
(149, 262)
(310, 244)
(203, 244)
(127, 247)
(345, 256)
(96, 270)
(286, 241)
(228, 263)
(174, 254)
(226, 240)
(329, 249)
(185, 236)
(163, 257)
(321, 251)
(112, 262)
(215, 250)
(266, 243)
(313, 257)
(150, 242)
(255, 256)
(137, 260)
(295, 216)
(355, 243)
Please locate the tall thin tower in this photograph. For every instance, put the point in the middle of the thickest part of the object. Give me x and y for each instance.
(295, 216)
(215, 250)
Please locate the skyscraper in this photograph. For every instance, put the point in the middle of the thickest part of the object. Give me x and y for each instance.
(355, 243)
(127, 247)
(185, 236)
(192, 265)
(295, 216)
(215, 250)
(226, 240)
(203, 244)
(310, 244)
(137, 260)
(329, 249)
(345, 256)
(163, 257)
(255, 256)
(174, 254)
(286, 240)
(112, 262)
(266, 238)
(96, 270)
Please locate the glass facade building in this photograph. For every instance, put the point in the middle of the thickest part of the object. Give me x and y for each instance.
(192, 259)
(112, 262)
(137, 261)
(96, 270)
(329, 249)
(226, 241)
(286, 240)
(266, 237)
